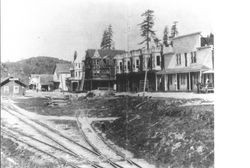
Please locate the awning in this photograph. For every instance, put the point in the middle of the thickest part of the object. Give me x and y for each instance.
(196, 68)
(208, 71)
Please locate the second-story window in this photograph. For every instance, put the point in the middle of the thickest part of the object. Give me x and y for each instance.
(120, 66)
(178, 59)
(137, 63)
(193, 57)
(129, 65)
(158, 60)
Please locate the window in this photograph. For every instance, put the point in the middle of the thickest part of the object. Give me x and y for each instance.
(120, 66)
(6, 89)
(158, 60)
(148, 63)
(16, 89)
(193, 57)
(178, 59)
(137, 63)
(129, 65)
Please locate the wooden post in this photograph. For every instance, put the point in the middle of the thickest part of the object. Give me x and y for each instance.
(156, 83)
(189, 81)
(200, 77)
(91, 84)
(144, 87)
(165, 82)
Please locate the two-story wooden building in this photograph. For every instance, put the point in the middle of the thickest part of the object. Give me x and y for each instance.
(179, 67)
(187, 62)
(75, 82)
(132, 66)
(100, 68)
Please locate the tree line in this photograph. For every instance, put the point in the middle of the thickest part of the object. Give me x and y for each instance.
(147, 33)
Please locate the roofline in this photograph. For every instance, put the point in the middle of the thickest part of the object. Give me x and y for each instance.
(203, 47)
(187, 35)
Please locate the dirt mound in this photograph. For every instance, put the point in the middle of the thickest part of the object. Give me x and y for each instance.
(161, 131)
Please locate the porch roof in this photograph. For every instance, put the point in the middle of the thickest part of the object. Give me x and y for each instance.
(196, 68)
(210, 71)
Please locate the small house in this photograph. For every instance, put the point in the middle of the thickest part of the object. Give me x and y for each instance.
(41, 82)
(61, 73)
(12, 86)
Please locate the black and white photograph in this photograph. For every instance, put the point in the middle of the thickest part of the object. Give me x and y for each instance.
(107, 84)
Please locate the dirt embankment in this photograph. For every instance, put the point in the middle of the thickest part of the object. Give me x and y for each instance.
(160, 131)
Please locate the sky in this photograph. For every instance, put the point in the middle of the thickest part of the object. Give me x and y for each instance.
(57, 28)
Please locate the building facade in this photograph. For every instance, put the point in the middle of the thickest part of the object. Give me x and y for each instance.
(75, 82)
(12, 87)
(41, 82)
(100, 68)
(131, 68)
(61, 73)
(187, 62)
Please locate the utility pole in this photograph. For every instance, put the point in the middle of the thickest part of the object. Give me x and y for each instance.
(144, 87)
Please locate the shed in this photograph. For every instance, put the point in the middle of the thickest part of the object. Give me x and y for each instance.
(12, 86)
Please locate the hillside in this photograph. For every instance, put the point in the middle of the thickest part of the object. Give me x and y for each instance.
(35, 65)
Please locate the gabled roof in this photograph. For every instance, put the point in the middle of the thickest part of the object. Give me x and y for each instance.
(103, 53)
(186, 35)
(16, 80)
(46, 79)
(62, 68)
(78, 59)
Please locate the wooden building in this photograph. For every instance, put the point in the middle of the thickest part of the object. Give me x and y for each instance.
(100, 68)
(12, 87)
(187, 62)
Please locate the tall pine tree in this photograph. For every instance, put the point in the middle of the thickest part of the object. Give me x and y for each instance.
(107, 39)
(146, 26)
(110, 37)
(165, 37)
(104, 40)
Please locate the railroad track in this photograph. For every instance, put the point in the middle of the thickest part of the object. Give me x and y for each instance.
(94, 148)
(115, 165)
(51, 138)
(95, 151)
(60, 160)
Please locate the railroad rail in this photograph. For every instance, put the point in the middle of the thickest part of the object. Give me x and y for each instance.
(68, 150)
(95, 151)
(94, 148)
(60, 160)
